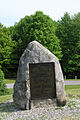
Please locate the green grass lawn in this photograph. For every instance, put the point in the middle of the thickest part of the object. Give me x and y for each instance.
(10, 80)
(4, 98)
(72, 79)
(73, 90)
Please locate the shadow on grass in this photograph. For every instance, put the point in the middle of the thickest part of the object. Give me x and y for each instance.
(8, 107)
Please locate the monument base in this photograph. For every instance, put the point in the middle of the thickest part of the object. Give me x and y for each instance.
(42, 103)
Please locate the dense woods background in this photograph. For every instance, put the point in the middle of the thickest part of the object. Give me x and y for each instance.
(61, 37)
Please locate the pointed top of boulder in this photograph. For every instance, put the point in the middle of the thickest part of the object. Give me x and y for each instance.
(37, 48)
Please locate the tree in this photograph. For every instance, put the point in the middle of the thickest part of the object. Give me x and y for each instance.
(76, 37)
(68, 33)
(38, 27)
(6, 48)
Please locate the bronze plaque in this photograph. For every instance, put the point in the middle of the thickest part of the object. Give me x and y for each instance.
(42, 80)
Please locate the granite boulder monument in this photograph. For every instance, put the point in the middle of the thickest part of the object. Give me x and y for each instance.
(39, 77)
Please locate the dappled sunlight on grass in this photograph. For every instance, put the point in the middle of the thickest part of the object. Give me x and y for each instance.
(7, 81)
(5, 98)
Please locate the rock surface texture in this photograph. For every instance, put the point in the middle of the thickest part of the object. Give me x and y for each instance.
(36, 53)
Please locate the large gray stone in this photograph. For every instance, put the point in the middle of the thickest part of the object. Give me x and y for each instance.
(36, 53)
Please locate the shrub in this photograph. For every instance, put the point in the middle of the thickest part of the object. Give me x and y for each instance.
(3, 89)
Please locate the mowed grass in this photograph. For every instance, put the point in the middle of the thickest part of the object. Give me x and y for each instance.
(72, 79)
(73, 90)
(5, 98)
(10, 80)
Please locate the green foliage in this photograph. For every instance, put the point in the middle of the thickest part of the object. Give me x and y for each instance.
(3, 89)
(38, 27)
(63, 33)
(68, 31)
(1, 77)
(76, 40)
(6, 48)
(62, 38)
